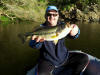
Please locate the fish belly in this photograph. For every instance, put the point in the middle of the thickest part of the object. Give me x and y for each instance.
(64, 33)
(56, 36)
(49, 37)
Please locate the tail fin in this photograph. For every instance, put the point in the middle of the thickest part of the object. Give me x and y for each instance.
(25, 37)
(22, 37)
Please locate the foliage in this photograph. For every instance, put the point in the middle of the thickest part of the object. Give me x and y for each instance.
(4, 18)
(67, 4)
(25, 9)
(34, 10)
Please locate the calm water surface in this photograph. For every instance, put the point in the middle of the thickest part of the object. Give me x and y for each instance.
(16, 58)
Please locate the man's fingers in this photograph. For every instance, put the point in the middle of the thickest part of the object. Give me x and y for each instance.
(73, 25)
(41, 40)
(38, 39)
(33, 37)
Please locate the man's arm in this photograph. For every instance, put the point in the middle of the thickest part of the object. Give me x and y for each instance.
(35, 44)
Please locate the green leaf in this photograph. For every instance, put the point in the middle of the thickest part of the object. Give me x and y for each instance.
(4, 18)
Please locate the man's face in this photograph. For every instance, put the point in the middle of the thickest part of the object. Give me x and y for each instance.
(52, 17)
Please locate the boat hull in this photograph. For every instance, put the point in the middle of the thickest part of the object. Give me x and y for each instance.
(92, 69)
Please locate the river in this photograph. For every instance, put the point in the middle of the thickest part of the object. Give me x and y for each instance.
(16, 58)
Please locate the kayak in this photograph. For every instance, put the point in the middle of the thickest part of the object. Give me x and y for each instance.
(93, 68)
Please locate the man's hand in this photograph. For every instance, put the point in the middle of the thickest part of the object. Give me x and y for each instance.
(74, 30)
(37, 38)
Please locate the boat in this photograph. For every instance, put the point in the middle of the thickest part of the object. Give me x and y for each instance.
(93, 68)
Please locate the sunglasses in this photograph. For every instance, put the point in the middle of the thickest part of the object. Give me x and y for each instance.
(54, 15)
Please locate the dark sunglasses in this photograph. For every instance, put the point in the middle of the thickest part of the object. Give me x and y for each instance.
(48, 14)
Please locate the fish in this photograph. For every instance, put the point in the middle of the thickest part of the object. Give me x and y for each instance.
(49, 33)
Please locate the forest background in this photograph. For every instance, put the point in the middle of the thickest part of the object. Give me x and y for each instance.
(34, 10)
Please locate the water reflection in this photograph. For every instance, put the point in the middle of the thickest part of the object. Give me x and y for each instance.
(16, 58)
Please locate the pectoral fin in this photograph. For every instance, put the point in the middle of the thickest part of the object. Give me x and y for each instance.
(55, 41)
(55, 36)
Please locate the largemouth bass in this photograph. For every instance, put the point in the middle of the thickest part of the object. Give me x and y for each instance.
(49, 33)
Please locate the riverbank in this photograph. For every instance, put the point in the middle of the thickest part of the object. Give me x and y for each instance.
(14, 10)
(34, 10)
(89, 14)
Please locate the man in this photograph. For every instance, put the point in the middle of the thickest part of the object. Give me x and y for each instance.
(54, 54)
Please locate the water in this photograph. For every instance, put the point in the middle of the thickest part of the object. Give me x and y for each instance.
(88, 40)
(16, 58)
